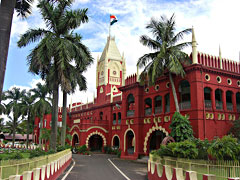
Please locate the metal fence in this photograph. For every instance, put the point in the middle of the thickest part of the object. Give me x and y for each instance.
(222, 169)
(17, 167)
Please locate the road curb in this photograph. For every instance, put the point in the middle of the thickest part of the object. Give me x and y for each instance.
(67, 173)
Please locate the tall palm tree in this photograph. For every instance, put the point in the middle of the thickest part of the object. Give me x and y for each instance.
(23, 8)
(167, 55)
(2, 126)
(59, 47)
(76, 78)
(14, 106)
(42, 105)
(14, 127)
(27, 110)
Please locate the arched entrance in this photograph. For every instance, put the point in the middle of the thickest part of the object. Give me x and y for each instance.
(95, 143)
(116, 142)
(130, 142)
(75, 140)
(156, 140)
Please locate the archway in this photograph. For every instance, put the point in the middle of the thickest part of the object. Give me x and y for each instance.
(95, 143)
(116, 142)
(155, 140)
(130, 142)
(75, 140)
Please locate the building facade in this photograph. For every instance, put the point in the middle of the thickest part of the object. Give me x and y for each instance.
(136, 118)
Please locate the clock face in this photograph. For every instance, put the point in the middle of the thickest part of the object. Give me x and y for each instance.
(114, 72)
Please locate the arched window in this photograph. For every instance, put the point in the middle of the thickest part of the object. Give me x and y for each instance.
(167, 103)
(207, 98)
(114, 118)
(185, 98)
(229, 101)
(148, 106)
(130, 105)
(119, 118)
(218, 99)
(238, 101)
(101, 115)
(158, 104)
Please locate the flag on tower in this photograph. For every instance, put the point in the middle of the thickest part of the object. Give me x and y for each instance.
(113, 19)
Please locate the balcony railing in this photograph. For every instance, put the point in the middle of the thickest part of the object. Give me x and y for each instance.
(185, 105)
(208, 104)
(158, 110)
(219, 105)
(148, 111)
(238, 108)
(130, 113)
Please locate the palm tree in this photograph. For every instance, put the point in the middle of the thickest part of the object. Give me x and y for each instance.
(58, 49)
(167, 55)
(27, 110)
(14, 106)
(23, 8)
(42, 105)
(1, 124)
(13, 127)
(76, 78)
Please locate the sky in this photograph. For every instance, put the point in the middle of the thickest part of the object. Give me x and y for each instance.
(216, 23)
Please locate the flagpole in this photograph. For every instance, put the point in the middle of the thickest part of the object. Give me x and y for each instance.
(110, 26)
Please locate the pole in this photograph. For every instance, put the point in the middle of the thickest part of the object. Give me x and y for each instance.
(110, 27)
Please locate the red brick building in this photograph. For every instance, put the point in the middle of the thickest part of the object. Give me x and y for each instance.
(136, 118)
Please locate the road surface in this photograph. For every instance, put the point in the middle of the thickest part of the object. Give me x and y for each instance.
(106, 167)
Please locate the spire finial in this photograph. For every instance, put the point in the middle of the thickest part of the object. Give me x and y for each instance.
(220, 57)
(194, 47)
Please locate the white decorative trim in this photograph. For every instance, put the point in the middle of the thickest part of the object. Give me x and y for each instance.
(77, 136)
(118, 138)
(74, 127)
(129, 129)
(154, 128)
(96, 133)
(97, 127)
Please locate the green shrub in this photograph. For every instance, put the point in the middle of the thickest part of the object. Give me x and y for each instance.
(36, 153)
(165, 150)
(202, 146)
(226, 148)
(16, 155)
(60, 148)
(185, 149)
(82, 149)
(180, 128)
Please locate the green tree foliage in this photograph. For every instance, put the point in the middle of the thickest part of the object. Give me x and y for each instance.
(185, 149)
(166, 55)
(59, 48)
(180, 128)
(14, 106)
(235, 129)
(225, 148)
(202, 146)
(28, 110)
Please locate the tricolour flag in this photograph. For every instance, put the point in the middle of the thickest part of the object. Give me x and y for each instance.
(113, 19)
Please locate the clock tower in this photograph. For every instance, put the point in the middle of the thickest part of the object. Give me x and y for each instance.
(110, 72)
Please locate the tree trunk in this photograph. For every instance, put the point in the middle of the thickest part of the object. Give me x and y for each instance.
(53, 139)
(64, 117)
(28, 128)
(6, 15)
(174, 92)
(40, 129)
(14, 130)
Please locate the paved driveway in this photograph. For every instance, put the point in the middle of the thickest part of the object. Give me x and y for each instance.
(104, 167)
